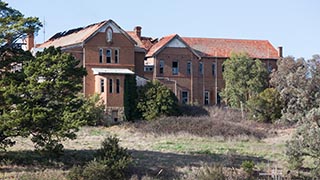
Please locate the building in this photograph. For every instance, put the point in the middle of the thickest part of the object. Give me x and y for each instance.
(190, 67)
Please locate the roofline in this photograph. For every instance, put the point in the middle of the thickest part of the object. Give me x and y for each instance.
(106, 22)
(175, 36)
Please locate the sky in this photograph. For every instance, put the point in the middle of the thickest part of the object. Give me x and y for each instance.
(293, 24)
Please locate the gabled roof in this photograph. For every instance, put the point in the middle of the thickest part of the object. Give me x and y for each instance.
(80, 35)
(155, 49)
(143, 42)
(212, 47)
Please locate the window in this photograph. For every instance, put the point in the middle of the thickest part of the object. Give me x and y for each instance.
(270, 68)
(222, 69)
(148, 68)
(118, 86)
(108, 55)
(161, 66)
(110, 86)
(175, 68)
(101, 85)
(213, 69)
(116, 56)
(184, 97)
(189, 67)
(100, 55)
(200, 68)
(115, 115)
(206, 98)
(109, 35)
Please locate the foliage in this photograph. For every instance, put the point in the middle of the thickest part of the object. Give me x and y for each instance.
(266, 106)
(110, 162)
(130, 98)
(226, 123)
(156, 100)
(248, 166)
(13, 27)
(298, 82)
(94, 110)
(244, 77)
(49, 107)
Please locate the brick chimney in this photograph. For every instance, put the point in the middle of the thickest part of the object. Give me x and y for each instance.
(137, 30)
(280, 51)
(30, 41)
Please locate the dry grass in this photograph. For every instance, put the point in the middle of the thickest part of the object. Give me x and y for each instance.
(161, 154)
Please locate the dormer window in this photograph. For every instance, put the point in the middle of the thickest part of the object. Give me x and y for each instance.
(109, 35)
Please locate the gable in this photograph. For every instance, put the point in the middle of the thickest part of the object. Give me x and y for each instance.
(176, 43)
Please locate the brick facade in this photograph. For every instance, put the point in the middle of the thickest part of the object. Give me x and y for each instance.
(107, 61)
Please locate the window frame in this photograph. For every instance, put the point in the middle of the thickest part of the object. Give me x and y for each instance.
(184, 100)
(117, 86)
(110, 86)
(189, 67)
(206, 99)
(108, 56)
(100, 55)
(201, 68)
(116, 56)
(161, 66)
(175, 70)
(102, 85)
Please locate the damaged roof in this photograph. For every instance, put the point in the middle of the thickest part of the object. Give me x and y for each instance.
(79, 35)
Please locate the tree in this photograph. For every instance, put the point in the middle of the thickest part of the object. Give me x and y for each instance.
(13, 27)
(156, 100)
(130, 98)
(244, 77)
(266, 106)
(298, 82)
(50, 108)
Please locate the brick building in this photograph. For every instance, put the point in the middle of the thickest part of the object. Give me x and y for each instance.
(190, 67)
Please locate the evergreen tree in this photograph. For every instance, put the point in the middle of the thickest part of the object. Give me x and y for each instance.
(244, 77)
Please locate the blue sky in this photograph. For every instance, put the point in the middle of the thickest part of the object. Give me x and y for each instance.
(293, 24)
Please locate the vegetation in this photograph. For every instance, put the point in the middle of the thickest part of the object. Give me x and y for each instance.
(298, 82)
(265, 106)
(13, 27)
(130, 98)
(110, 162)
(156, 100)
(244, 77)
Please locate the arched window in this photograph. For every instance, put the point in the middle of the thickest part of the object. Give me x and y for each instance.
(109, 35)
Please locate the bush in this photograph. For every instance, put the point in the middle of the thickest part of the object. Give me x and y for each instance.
(156, 100)
(221, 122)
(248, 166)
(266, 106)
(110, 162)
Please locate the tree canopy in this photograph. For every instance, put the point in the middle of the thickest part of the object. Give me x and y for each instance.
(244, 77)
(298, 82)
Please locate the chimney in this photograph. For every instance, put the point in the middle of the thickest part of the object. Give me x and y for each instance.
(280, 51)
(30, 41)
(137, 30)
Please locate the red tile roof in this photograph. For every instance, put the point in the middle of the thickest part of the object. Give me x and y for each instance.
(143, 42)
(162, 42)
(213, 47)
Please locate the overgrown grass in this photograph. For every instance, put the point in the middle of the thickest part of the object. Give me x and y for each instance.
(219, 122)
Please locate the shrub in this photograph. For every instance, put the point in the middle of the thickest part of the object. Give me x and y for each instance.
(221, 122)
(248, 166)
(156, 100)
(110, 162)
(266, 106)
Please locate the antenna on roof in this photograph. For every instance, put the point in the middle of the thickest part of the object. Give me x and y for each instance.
(44, 29)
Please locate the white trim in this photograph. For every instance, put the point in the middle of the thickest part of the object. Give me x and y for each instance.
(111, 71)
